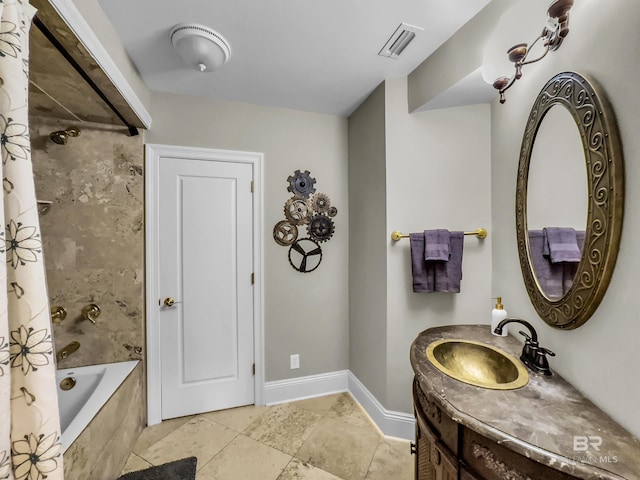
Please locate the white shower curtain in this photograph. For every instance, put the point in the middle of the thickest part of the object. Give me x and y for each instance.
(30, 446)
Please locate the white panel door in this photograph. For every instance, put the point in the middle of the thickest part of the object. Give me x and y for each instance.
(205, 266)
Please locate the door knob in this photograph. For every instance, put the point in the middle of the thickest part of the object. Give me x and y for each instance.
(169, 302)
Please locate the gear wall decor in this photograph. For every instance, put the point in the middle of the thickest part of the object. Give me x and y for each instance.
(310, 209)
(285, 233)
(321, 228)
(321, 203)
(301, 183)
(297, 210)
(305, 255)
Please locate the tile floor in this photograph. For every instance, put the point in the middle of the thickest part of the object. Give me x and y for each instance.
(325, 438)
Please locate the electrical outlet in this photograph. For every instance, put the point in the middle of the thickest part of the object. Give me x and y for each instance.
(294, 361)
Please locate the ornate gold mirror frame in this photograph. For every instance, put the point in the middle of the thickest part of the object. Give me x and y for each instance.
(605, 176)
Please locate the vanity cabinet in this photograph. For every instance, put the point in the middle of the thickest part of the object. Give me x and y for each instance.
(434, 461)
(464, 432)
(447, 450)
(436, 450)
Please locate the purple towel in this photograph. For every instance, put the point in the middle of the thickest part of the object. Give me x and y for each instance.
(580, 236)
(550, 276)
(561, 245)
(571, 268)
(452, 268)
(421, 282)
(436, 276)
(436, 245)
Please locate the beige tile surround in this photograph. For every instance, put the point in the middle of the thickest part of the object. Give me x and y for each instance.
(102, 448)
(327, 438)
(93, 236)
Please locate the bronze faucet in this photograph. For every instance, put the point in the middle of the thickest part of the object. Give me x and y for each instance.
(68, 350)
(533, 355)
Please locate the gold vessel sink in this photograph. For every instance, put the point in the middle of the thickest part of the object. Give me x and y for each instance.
(477, 364)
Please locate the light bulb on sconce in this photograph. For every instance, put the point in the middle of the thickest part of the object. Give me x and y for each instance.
(519, 55)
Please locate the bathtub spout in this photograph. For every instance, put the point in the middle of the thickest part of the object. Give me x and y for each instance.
(68, 350)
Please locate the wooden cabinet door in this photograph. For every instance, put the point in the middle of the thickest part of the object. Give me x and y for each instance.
(434, 460)
(425, 446)
(446, 465)
(467, 475)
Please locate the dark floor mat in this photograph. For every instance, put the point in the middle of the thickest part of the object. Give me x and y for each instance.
(184, 469)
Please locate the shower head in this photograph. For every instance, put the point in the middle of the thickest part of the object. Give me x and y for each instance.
(61, 136)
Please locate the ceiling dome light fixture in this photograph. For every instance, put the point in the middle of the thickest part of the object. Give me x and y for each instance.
(200, 47)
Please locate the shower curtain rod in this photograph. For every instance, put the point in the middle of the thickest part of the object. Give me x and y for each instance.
(133, 131)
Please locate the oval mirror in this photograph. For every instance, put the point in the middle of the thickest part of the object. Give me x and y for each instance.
(569, 200)
(557, 198)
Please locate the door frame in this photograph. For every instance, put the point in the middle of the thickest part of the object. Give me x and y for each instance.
(153, 155)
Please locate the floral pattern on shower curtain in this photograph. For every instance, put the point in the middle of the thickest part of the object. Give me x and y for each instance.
(30, 446)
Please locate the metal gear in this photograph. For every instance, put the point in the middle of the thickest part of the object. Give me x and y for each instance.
(321, 228)
(285, 233)
(332, 211)
(321, 202)
(301, 183)
(297, 210)
(305, 255)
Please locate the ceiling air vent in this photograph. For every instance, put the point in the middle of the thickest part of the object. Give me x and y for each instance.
(402, 37)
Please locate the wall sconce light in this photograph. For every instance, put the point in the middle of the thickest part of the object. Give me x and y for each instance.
(552, 36)
(200, 47)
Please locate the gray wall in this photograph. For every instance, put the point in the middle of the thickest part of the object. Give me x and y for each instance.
(411, 172)
(455, 59)
(602, 357)
(304, 313)
(438, 176)
(368, 244)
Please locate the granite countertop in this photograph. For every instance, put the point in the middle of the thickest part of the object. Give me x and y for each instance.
(538, 420)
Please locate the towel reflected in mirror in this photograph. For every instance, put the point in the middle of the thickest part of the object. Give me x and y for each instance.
(555, 254)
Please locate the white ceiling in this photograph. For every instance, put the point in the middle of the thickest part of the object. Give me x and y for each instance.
(312, 55)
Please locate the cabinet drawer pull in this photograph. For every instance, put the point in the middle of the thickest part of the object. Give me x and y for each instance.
(437, 459)
(413, 448)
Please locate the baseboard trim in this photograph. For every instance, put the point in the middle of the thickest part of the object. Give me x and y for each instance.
(391, 423)
(300, 388)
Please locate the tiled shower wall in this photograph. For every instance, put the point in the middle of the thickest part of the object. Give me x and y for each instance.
(93, 237)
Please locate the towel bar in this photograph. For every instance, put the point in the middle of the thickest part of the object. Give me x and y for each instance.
(480, 233)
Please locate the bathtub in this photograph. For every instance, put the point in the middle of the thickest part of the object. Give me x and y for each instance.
(95, 384)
